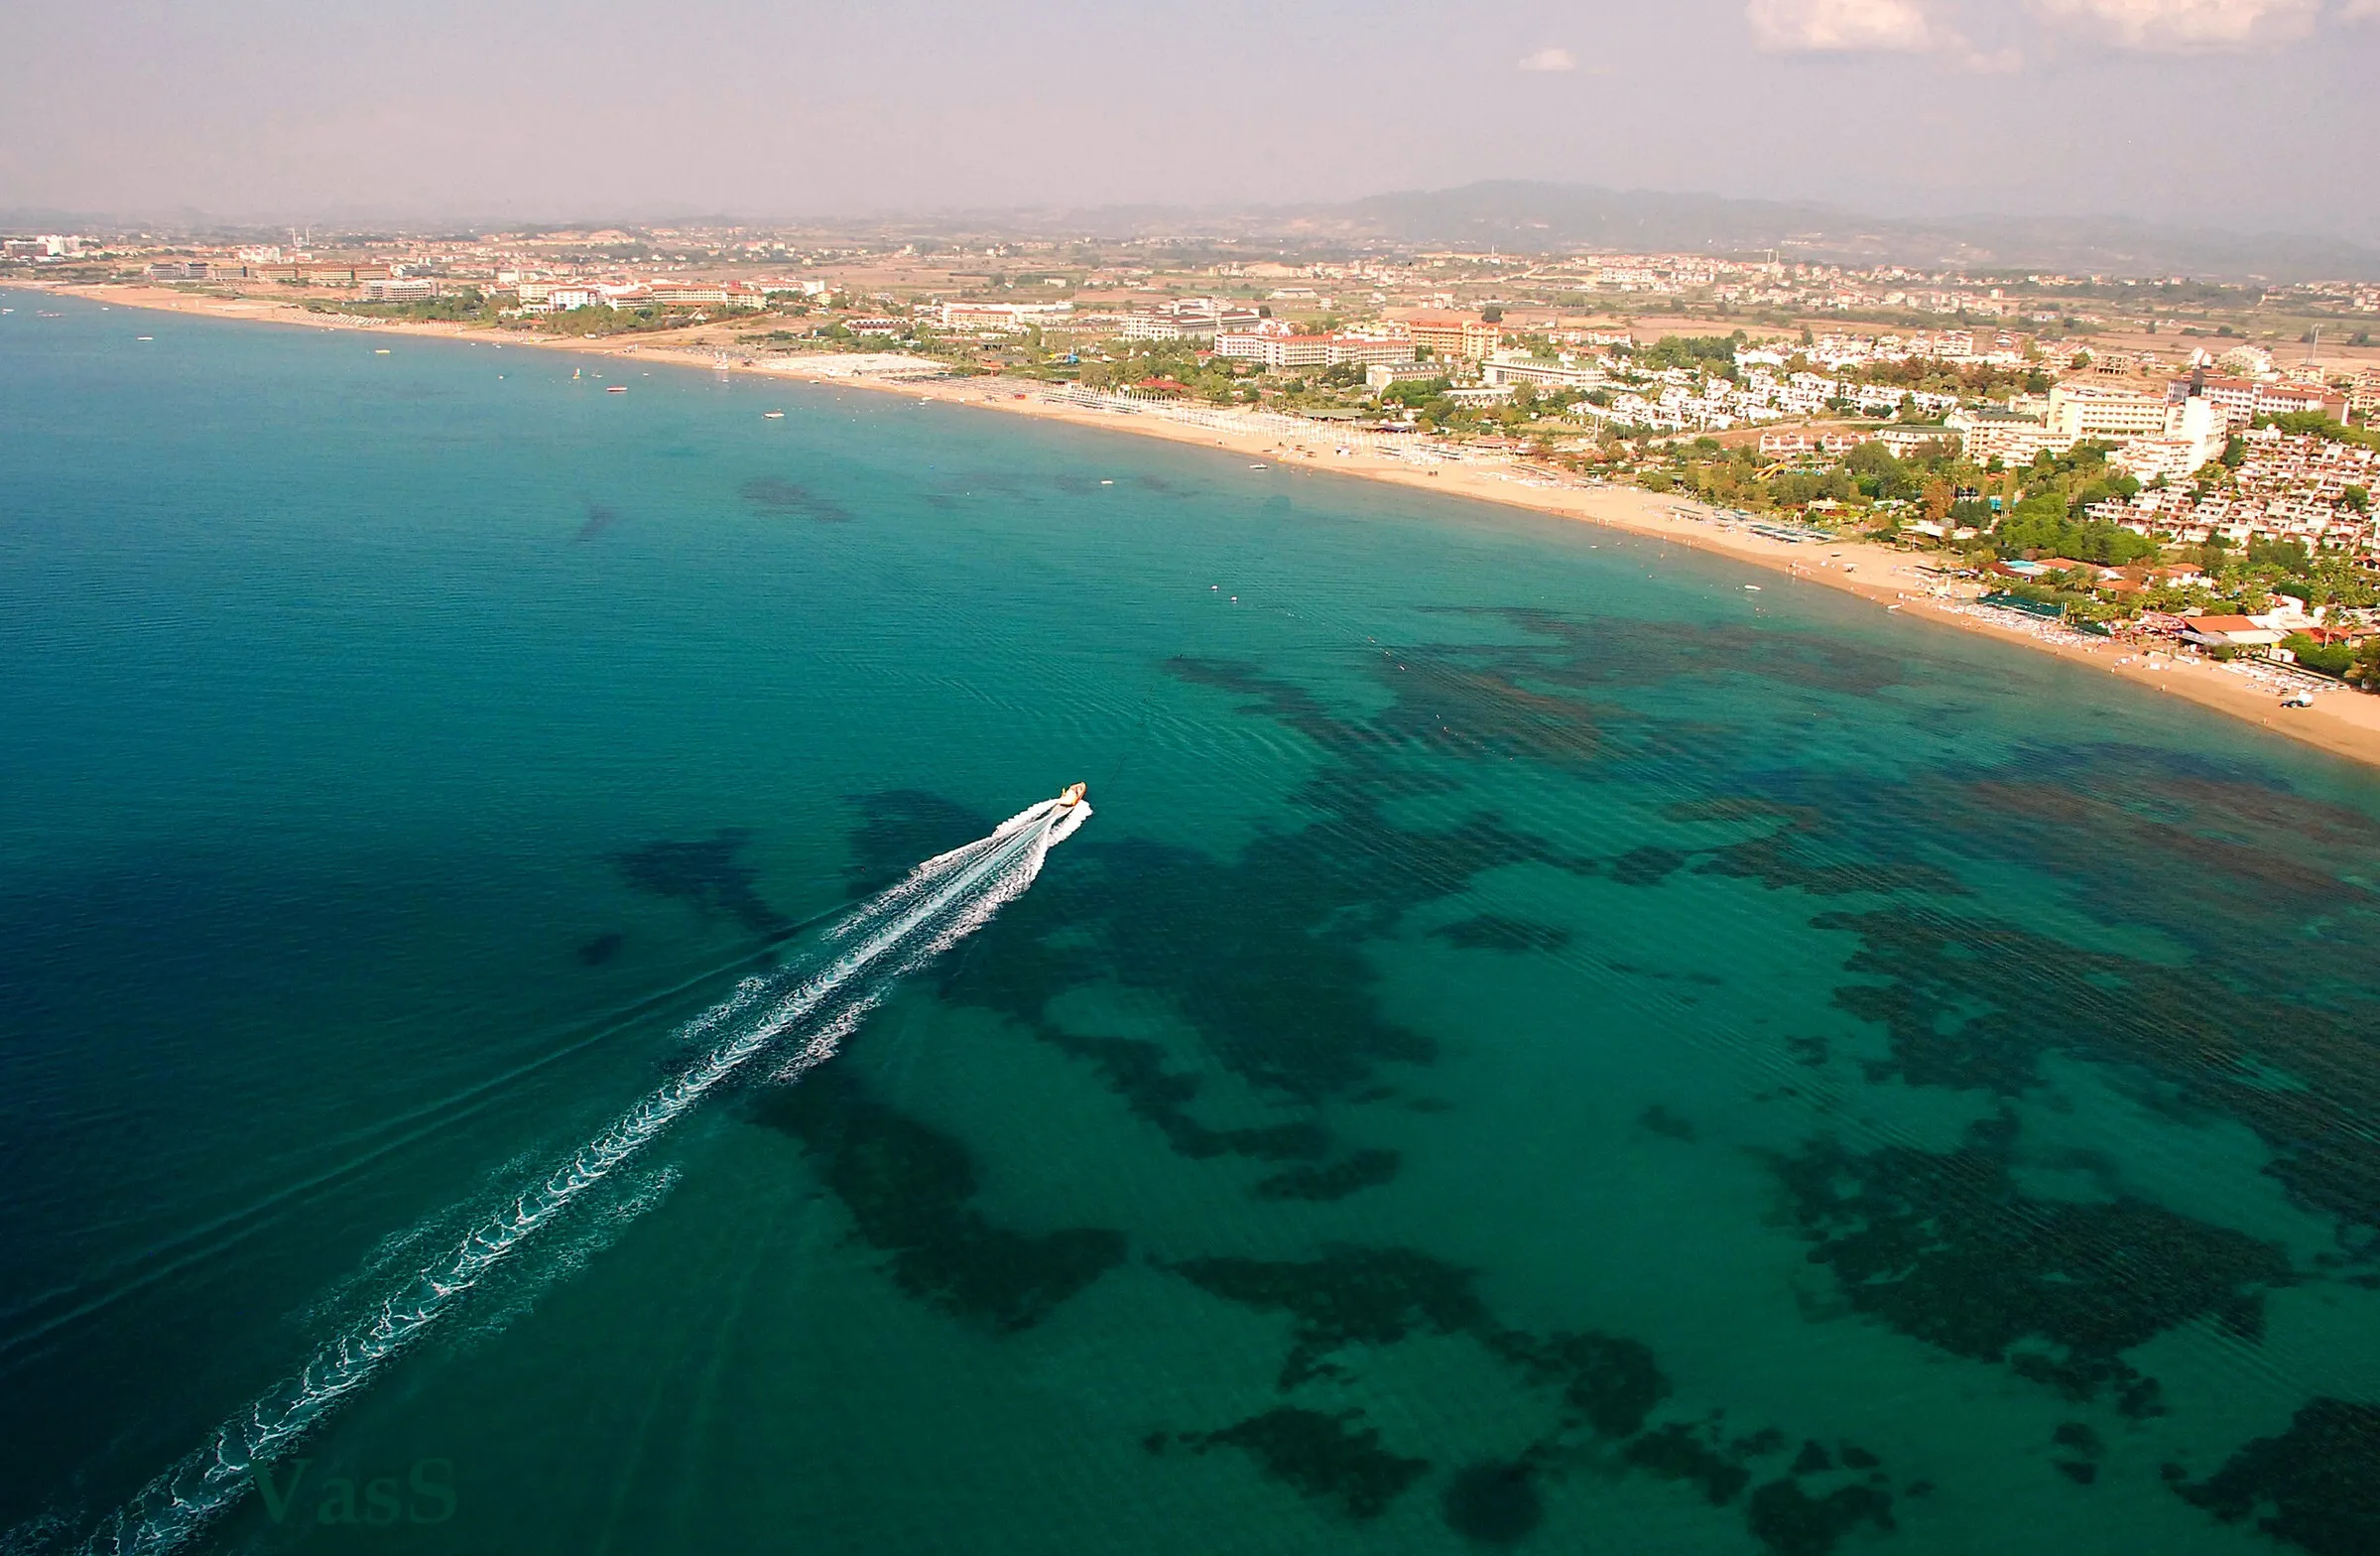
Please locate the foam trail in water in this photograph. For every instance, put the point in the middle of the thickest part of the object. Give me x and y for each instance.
(939, 904)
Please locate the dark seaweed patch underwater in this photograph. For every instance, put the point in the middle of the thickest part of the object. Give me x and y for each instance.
(1283, 997)
(906, 1189)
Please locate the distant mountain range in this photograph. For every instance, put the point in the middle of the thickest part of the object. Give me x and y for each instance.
(1533, 216)
(1553, 215)
(1537, 217)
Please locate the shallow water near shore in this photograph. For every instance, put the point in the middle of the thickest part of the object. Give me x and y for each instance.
(1538, 1048)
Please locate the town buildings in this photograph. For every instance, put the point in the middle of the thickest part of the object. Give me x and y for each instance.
(1188, 319)
(2106, 414)
(2154, 436)
(1522, 367)
(1453, 337)
(2244, 399)
(1794, 445)
(2287, 486)
(1280, 349)
(399, 289)
(1001, 318)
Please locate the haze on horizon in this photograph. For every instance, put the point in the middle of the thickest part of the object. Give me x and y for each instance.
(2242, 114)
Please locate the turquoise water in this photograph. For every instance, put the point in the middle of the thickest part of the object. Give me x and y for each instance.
(1540, 1047)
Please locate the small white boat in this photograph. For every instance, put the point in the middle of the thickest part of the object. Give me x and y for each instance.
(773, 416)
(615, 389)
(380, 350)
(144, 337)
(1752, 587)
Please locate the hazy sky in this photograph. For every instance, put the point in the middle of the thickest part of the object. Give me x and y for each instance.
(2242, 113)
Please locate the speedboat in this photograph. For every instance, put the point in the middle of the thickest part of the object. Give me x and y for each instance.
(1064, 815)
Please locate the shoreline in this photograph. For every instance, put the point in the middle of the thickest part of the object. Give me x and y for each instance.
(2341, 721)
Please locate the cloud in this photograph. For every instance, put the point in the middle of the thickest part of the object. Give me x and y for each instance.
(1841, 26)
(2359, 11)
(2194, 26)
(1548, 58)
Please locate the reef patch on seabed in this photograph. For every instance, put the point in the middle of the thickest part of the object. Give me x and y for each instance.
(2144, 841)
(1364, 1169)
(907, 1188)
(1648, 865)
(1495, 1503)
(1286, 999)
(1328, 1457)
(599, 517)
(709, 875)
(1490, 931)
(1804, 849)
(1946, 1248)
(791, 499)
(1791, 1522)
(2317, 1485)
(1974, 1004)
(1076, 928)
(2082, 1448)
(1604, 1387)
(1666, 1124)
(1965, 1001)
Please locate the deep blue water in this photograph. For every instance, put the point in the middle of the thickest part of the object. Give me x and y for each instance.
(1540, 1047)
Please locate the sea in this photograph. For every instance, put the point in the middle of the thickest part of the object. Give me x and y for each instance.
(523, 1028)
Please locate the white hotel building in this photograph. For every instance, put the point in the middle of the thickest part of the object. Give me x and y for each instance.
(1278, 352)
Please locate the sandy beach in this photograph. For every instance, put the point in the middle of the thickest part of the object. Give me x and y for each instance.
(2342, 722)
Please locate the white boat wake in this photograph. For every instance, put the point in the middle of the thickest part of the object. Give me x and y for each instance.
(939, 904)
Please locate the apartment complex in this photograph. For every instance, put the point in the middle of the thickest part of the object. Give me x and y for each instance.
(2154, 436)
(1190, 318)
(2106, 414)
(1504, 368)
(1001, 317)
(1277, 350)
(1455, 336)
(2244, 399)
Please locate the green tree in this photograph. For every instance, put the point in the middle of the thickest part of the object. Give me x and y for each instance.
(2364, 669)
(1879, 474)
(2330, 659)
(1415, 392)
